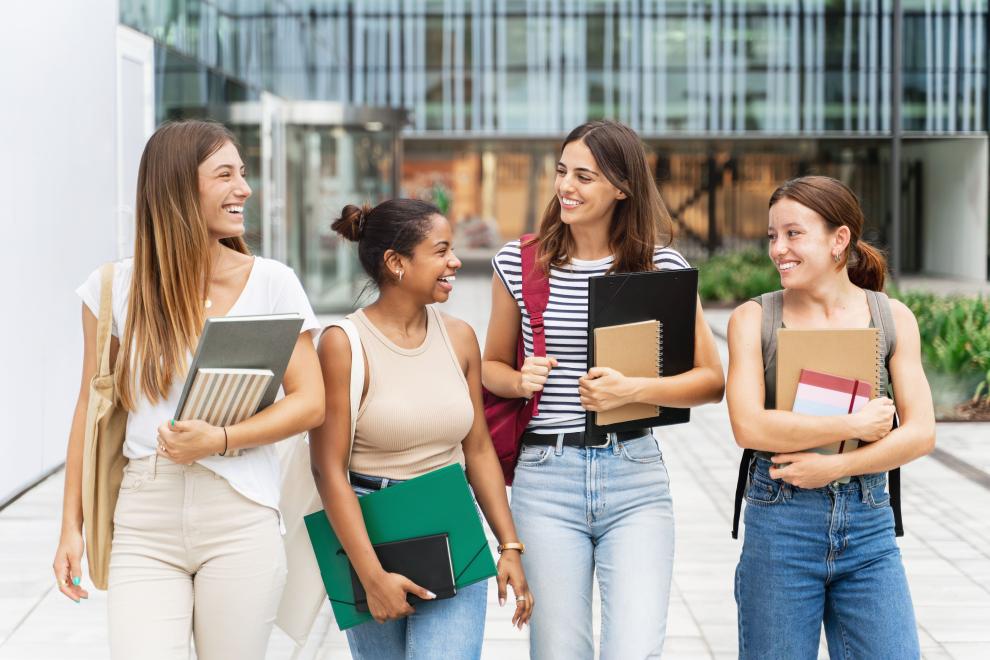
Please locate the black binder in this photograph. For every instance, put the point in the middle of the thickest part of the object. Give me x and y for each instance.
(425, 560)
(668, 296)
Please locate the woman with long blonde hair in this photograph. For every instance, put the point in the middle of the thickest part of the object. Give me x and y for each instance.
(193, 524)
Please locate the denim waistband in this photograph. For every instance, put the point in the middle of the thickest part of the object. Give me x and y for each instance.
(855, 483)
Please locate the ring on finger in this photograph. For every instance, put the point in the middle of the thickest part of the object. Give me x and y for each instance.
(520, 599)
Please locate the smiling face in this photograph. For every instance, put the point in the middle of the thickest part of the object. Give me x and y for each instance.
(802, 244)
(223, 191)
(585, 194)
(429, 273)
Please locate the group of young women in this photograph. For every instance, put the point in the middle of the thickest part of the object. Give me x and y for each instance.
(197, 549)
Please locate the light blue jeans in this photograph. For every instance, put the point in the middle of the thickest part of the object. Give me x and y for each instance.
(822, 555)
(452, 627)
(606, 511)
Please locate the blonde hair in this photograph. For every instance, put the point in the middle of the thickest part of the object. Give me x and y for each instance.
(171, 260)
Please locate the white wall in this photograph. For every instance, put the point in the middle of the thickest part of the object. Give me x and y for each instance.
(955, 175)
(58, 219)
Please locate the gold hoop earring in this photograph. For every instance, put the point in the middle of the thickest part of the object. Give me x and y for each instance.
(836, 258)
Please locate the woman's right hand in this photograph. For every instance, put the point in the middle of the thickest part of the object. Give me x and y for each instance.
(68, 565)
(534, 373)
(875, 419)
(387, 596)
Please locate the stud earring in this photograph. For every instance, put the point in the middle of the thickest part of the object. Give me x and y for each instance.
(399, 274)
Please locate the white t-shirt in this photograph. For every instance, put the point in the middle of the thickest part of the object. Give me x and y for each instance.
(272, 288)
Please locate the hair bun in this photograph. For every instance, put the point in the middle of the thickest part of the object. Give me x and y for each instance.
(350, 224)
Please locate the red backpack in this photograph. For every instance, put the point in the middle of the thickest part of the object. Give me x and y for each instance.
(507, 418)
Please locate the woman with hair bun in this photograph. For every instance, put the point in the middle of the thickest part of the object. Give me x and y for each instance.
(420, 411)
(819, 549)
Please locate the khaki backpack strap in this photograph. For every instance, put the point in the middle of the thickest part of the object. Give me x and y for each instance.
(773, 313)
(105, 320)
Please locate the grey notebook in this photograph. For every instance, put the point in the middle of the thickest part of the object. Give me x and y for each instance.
(245, 342)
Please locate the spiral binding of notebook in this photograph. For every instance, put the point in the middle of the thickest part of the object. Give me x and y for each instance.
(659, 355)
(223, 397)
(879, 386)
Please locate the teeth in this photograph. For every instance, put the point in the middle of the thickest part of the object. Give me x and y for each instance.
(789, 265)
(569, 202)
(234, 209)
(449, 278)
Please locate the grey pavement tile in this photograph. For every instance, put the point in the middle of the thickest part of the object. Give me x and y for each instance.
(968, 650)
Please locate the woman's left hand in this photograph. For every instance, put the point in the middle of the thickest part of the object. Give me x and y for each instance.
(604, 388)
(806, 469)
(187, 442)
(510, 572)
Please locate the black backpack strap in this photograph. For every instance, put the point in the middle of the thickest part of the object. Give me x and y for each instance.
(773, 309)
(747, 458)
(880, 310)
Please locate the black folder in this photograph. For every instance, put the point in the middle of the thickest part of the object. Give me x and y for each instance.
(425, 560)
(668, 296)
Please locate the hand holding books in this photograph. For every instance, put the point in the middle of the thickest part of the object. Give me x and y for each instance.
(187, 442)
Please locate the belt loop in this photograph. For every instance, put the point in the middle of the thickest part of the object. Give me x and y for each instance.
(864, 489)
(154, 465)
(560, 444)
(384, 484)
(614, 439)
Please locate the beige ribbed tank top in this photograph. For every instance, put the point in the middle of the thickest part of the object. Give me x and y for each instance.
(417, 409)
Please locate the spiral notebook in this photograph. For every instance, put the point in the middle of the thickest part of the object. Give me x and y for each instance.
(854, 353)
(632, 349)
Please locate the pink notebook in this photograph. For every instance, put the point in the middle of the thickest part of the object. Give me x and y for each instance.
(826, 395)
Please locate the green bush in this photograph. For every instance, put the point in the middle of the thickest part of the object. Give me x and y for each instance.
(955, 336)
(737, 276)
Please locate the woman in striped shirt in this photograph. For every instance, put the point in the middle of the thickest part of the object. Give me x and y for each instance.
(592, 504)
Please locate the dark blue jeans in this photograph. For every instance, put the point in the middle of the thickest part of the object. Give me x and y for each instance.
(822, 555)
(451, 628)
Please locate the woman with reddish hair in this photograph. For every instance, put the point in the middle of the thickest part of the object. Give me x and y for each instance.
(820, 548)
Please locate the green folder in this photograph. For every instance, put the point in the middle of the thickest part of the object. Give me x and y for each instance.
(437, 502)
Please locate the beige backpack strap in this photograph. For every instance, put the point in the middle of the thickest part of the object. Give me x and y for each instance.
(105, 320)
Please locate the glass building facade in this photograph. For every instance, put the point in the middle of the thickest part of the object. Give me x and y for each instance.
(730, 96)
(544, 66)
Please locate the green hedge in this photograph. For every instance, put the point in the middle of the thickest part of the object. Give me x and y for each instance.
(737, 276)
(955, 336)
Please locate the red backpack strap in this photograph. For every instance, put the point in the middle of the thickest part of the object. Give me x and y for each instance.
(536, 296)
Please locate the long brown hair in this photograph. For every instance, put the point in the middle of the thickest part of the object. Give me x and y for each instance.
(839, 206)
(171, 260)
(640, 222)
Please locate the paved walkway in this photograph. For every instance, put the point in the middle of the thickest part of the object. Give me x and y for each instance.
(946, 550)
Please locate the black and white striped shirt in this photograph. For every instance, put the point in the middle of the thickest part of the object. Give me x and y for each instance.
(566, 327)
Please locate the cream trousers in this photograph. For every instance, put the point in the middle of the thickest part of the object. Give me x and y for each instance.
(191, 556)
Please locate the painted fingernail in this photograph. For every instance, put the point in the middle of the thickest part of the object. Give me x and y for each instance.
(171, 422)
(501, 602)
(76, 580)
(431, 594)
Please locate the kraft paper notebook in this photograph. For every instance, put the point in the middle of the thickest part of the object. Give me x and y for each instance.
(667, 297)
(633, 349)
(439, 502)
(850, 353)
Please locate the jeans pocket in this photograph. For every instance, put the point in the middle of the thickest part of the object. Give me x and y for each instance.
(532, 455)
(132, 480)
(762, 490)
(877, 495)
(641, 450)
